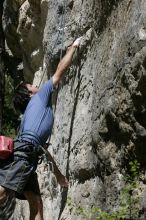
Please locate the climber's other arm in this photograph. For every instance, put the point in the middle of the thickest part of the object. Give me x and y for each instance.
(61, 179)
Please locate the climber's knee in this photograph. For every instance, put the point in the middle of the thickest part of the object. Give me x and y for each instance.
(3, 194)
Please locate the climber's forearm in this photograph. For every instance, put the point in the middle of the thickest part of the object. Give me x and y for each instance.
(61, 179)
(63, 65)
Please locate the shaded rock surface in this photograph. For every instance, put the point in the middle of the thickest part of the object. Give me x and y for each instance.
(100, 114)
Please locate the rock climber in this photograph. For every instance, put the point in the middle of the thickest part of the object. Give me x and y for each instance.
(17, 173)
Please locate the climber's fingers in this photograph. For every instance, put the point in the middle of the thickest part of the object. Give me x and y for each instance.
(77, 42)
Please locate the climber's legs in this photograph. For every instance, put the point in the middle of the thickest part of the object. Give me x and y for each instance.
(35, 205)
(3, 194)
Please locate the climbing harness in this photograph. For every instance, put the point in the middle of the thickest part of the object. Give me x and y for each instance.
(48, 162)
(40, 150)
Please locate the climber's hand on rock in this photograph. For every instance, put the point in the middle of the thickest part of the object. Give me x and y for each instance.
(77, 42)
(62, 180)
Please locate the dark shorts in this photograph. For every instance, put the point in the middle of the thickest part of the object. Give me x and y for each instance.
(18, 172)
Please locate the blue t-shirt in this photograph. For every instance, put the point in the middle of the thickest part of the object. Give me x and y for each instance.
(38, 116)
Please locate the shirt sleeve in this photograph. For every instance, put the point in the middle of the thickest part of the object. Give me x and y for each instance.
(45, 92)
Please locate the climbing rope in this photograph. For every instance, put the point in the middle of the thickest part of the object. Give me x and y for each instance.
(62, 44)
(60, 32)
(63, 28)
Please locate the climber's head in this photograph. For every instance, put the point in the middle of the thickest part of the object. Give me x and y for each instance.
(23, 92)
(32, 89)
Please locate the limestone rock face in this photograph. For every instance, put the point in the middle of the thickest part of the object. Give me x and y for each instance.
(100, 114)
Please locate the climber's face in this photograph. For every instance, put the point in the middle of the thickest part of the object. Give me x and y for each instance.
(32, 89)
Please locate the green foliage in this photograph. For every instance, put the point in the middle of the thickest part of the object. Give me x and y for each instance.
(9, 115)
(98, 213)
(134, 172)
(126, 200)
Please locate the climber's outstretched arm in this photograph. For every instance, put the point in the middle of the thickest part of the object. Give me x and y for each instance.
(61, 179)
(65, 63)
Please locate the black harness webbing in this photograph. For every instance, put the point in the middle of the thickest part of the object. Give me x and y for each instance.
(40, 150)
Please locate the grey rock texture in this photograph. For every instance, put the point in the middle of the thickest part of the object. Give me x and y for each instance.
(100, 114)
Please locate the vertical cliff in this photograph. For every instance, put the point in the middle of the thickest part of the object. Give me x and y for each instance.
(100, 114)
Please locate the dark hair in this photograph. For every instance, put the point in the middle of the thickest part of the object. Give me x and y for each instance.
(21, 97)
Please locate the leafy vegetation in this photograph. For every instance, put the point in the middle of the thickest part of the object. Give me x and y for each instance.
(128, 202)
(9, 115)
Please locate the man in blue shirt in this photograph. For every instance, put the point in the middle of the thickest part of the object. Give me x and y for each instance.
(17, 174)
